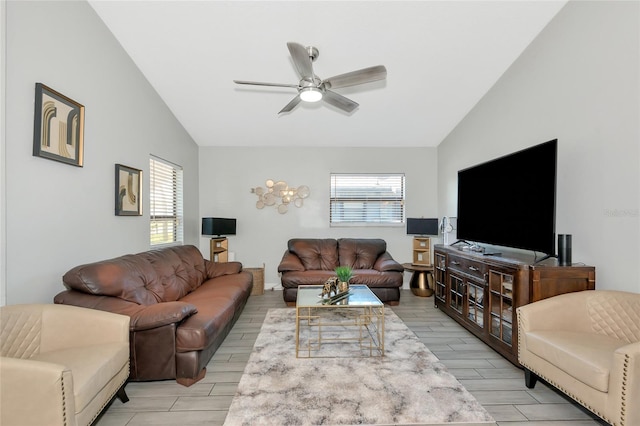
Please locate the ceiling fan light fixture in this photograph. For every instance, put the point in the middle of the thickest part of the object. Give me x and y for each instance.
(310, 94)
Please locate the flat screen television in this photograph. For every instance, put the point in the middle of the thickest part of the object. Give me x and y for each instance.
(511, 201)
(218, 226)
(422, 226)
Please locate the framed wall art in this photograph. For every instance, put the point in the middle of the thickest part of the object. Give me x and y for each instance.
(128, 191)
(58, 127)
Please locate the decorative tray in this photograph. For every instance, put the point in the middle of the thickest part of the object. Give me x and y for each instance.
(333, 299)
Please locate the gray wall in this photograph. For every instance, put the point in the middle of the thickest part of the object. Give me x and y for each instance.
(228, 174)
(578, 82)
(58, 215)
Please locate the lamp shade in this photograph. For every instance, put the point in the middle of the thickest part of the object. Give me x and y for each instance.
(218, 226)
(422, 226)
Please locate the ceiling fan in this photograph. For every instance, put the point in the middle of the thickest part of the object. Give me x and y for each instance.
(313, 89)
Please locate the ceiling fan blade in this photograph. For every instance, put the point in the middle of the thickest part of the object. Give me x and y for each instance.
(352, 78)
(258, 83)
(301, 60)
(339, 101)
(291, 105)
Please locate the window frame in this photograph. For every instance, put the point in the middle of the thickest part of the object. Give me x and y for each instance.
(397, 212)
(163, 172)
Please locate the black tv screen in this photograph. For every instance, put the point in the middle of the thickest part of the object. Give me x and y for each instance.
(422, 226)
(511, 201)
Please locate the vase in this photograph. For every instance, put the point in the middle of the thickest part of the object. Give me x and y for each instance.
(343, 286)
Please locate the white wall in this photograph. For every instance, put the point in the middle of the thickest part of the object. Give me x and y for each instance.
(228, 174)
(3, 144)
(59, 216)
(578, 82)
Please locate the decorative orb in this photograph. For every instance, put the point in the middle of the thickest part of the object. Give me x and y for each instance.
(298, 202)
(269, 199)
(260, 204)
(303, 191)
(282, 208)
(269, 183)
(280, 186)
(259, 190)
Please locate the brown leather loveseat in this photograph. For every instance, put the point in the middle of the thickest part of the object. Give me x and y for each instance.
(309, 261)
(181, 306)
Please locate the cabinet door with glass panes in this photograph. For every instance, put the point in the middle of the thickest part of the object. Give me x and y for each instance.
(500, 304)
(440, 278)
(474, 302)
(456, 292)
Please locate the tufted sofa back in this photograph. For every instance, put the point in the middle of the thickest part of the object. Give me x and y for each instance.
(163, 275)
(327, 254)
(360, 253)
(315, 254)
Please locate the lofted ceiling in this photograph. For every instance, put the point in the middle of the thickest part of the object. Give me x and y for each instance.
(441, 58)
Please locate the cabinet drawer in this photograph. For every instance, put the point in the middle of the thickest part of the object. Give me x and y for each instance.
(468, 267)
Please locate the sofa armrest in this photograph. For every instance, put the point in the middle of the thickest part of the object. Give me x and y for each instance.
(161, 314)
(385, 262)
(290, 262)
(142, 317)
(35, 393)
(217, 269)
(624, 383)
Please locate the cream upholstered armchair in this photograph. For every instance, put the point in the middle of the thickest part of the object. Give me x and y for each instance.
(587, 345)
(60, 365)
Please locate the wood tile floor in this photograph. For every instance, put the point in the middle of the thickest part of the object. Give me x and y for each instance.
(495, 382)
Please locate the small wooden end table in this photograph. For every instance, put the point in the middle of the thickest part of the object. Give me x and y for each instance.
(421, 280)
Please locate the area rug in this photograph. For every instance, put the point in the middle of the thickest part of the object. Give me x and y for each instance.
(407, 386)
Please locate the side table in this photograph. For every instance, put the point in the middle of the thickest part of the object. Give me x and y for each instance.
(258, 279)
(421, 280)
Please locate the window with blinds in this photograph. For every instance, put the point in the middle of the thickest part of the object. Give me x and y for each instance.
(165, 209)
(367, 199)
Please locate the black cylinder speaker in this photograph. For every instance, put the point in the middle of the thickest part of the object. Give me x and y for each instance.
(564, 249)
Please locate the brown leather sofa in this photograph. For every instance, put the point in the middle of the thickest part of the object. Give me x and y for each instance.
(309, 261)
(181, 306)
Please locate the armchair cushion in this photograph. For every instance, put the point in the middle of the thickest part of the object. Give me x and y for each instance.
(586, 358)
(90, 366)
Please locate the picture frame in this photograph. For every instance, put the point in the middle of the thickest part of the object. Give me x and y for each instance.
(128, 191)
(58, 131)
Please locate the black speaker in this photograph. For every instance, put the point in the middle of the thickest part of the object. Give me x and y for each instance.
(564, 249)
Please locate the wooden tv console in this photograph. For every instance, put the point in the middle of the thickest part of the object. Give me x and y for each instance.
(482, 292)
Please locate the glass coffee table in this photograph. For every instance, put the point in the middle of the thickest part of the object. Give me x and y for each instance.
(351, 326)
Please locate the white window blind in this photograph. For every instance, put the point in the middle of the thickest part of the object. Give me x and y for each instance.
(165, 181)
(367, 199)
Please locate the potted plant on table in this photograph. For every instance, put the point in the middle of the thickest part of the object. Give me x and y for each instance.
(344, 273)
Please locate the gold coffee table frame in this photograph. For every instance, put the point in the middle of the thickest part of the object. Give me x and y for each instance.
(361, 310)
